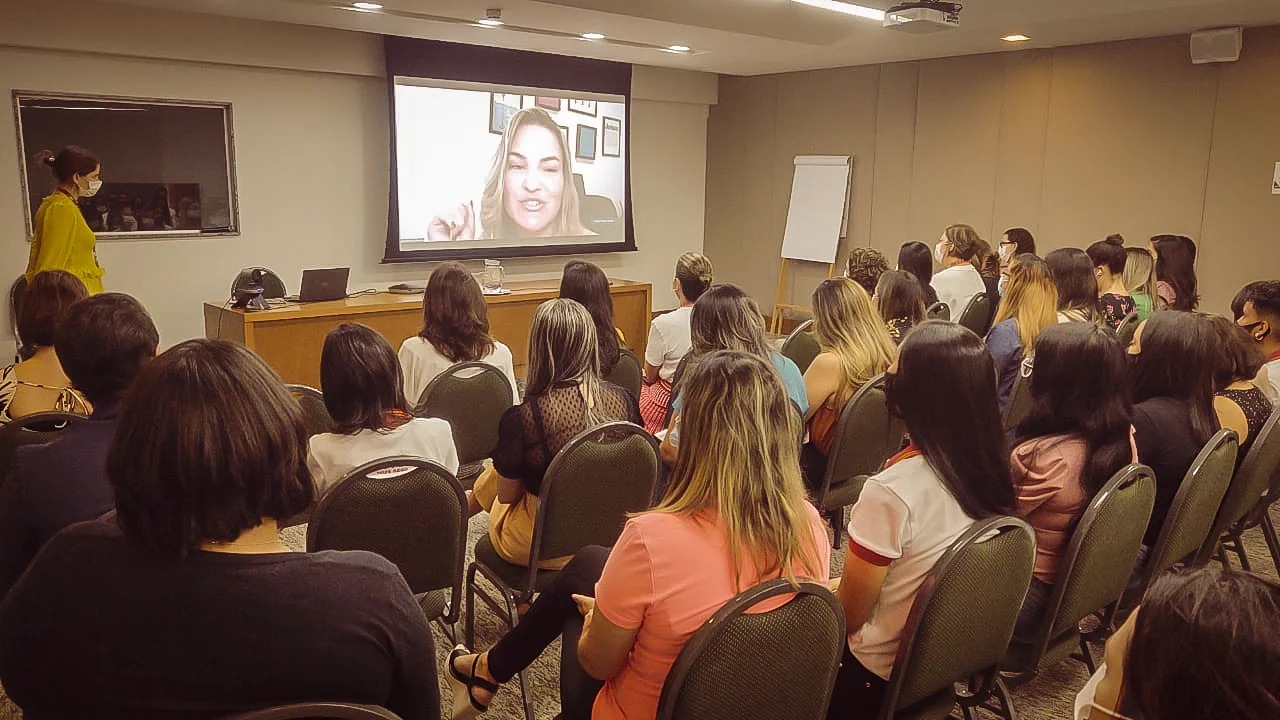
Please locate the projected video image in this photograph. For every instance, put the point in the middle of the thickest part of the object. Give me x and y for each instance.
(488, 169)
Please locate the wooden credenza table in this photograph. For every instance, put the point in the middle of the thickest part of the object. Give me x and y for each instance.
(289, 337)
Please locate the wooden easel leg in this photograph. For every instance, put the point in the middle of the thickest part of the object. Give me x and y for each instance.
(775, 326)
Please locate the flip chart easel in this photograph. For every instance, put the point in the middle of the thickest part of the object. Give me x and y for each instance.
(816, 220)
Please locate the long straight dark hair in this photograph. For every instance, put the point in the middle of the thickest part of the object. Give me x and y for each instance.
(899, 296)
(455, 318)
(1177, 361)
(1176, 265)
(1080, 387)
(586, 283)
(1072, 273)
(917, 259)
(945, 391)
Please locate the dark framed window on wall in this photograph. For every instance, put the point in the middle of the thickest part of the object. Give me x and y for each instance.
(168, 166)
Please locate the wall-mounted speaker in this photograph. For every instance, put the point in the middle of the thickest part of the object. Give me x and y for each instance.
(1216, 45)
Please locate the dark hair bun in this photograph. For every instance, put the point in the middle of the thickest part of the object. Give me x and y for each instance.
(1115, 239)
(45, 157)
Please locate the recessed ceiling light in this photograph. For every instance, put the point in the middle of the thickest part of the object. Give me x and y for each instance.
(489, 22)
(861, 11)
(592, 36)
(366, 6)
(678, 48)
(1015, 38)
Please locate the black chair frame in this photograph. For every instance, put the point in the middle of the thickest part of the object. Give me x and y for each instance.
(711, 629)
(317, 710)
(1237, 513)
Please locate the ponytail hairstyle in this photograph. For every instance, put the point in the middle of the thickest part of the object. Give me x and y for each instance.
(1109, 254)
(694, 273)
(69, 162)
(945, 392)
(1081, 387)
(1176, 265)
(965, 242)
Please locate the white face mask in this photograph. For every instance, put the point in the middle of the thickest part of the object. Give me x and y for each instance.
(94, 187)
(1001, 283)
(1005, 251)
(937, 252)
(1085, 698)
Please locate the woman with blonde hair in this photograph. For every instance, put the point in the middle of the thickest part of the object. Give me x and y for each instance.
(530, 191)
(1140, 280)
(670, 339)
(959, 280)
(734, 516)
(1029, 305)
(856, 346)
(564, 397)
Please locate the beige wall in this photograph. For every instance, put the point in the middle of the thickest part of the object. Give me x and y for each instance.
(312, 152)
(1073, 143)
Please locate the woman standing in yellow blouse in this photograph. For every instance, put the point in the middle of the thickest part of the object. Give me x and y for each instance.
(62, 239)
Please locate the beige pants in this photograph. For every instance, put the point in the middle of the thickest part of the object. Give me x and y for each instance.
(511, 526)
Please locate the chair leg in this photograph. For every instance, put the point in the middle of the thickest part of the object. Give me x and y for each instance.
(1269, 534)
(469, 625)
(513, 612)
(1087, 655)
(1244, 557)
(1222, 557)
(1001, 694)
(836, 520)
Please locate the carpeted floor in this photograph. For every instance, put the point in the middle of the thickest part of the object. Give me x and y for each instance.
(1048, 697)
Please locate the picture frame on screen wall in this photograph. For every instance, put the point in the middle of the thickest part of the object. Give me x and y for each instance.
(582, 107)
(585, 148)
(564, 132)
(547, 103)
(502, 107)
(611, 137)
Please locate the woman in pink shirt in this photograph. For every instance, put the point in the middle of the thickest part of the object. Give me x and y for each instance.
(1076, 436)
(734, 515)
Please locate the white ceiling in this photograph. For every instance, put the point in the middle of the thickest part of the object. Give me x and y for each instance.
(752, 37)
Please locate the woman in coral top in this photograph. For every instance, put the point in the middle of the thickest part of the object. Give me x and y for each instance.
(62, 239)
(734, 516)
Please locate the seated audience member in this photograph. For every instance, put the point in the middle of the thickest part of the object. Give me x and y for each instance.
(987, 263)
(958, 280)
(455, 329)
(917, 259)
(1014, 242)
(1029, 305)
(669, 339)
(360, 379)
(726, 318)
(900, 301)
(1173, 413)
(1109, 258)
(565, 396)
(734, 516)
(38, 383)
(1201, 645)
(1175, 271)
(1257, 310)
(101, 343)
(866, 265)
(928, 495)
(1140, 279)
(586, 283)
(184, 603)
(1076, 436)
(1238, 402)
(855, 348)
(1072, 273)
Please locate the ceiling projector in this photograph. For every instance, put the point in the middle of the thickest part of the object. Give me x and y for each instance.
(923, 16)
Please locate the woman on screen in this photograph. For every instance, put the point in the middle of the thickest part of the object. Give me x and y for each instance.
(530, 191)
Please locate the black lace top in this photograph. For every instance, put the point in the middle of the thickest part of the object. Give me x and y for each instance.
(1256, 407)
(532, 432)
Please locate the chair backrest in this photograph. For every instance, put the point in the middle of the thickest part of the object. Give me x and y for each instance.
(628, 372)
(760, 666)
(409, 510)
(314, 413)
(30, 430)
(472, 396)
(801, 345)
(866, 435)
(1251, 482)
(595, 480)
(938, 311)
(1019, 404)
(318, 711)
(1127, 328)
(963, 615)
(977, 314)
(1194, 508)
(1098, 561)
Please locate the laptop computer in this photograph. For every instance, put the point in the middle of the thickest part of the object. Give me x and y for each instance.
(328, 284)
